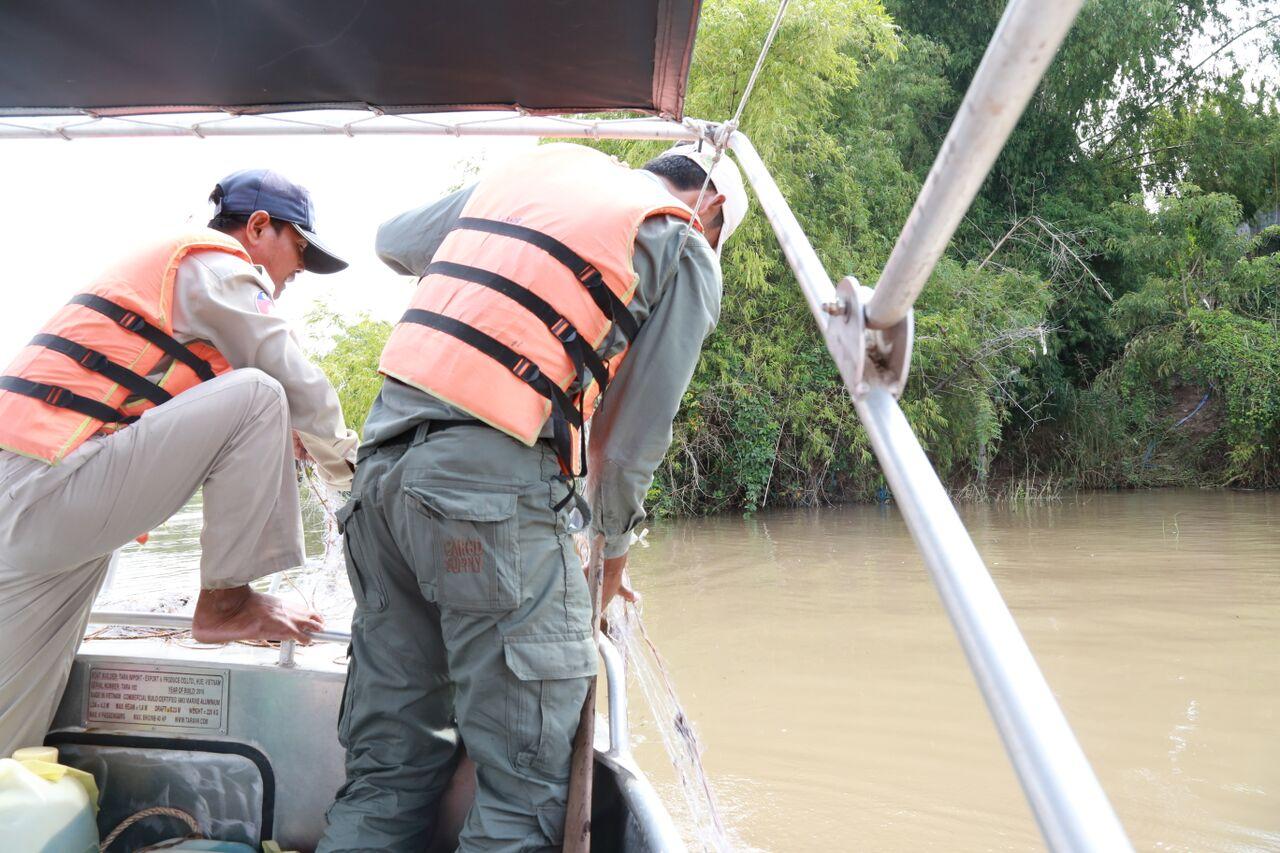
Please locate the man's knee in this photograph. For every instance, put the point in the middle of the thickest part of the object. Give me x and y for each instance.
(261, 393)
(253, 378)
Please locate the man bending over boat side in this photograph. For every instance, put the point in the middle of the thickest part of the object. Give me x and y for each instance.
(169, 373)
(554, 275)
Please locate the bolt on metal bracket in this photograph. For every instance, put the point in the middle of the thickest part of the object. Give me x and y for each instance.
(865, 356)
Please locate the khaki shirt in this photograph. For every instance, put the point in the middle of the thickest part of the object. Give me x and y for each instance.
(220, 299)
(677, 303)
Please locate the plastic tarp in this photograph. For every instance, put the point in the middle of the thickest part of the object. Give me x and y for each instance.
(223, 792)
(128, 57)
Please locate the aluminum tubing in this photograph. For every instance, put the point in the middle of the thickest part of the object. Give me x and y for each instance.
(1024, 44)
(814, 281)
(254, 126)
(1071, 808)
(616, 680)
(180, 622)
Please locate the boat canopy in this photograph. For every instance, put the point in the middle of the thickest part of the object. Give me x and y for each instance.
(131, 57)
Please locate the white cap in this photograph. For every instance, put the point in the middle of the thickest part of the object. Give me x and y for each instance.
(728, 182)
(37, 753)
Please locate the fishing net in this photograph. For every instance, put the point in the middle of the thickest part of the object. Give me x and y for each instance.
(321, 583)
(697, 810)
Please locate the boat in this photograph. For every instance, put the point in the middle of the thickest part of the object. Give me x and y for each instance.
(247, 746)
(242, 738)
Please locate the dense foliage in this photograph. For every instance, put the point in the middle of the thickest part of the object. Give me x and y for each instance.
(350, 350)
(1108, 314)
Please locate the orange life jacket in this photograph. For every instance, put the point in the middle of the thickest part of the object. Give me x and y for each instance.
(507, 321)
(87, 369)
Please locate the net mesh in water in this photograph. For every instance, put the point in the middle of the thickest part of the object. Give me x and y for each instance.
(697, 810)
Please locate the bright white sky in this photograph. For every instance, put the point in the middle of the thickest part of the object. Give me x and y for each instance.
(68, 208)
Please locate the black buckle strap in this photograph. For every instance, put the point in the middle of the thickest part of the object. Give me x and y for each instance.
(563, 413)
(131, 321)
(100, 364)
(605, 299)
(499, 352)
(63, 398)
(578, 349)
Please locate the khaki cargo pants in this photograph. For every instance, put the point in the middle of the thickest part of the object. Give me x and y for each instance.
(472, 626)
(59, 524)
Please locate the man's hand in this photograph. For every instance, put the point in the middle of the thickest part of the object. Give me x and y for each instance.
(616, 582)
(299, 450)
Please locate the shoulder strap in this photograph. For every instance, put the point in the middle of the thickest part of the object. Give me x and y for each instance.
(579, 351)
(139, 326)
(100, 364)
(605, 299)
(563, 413)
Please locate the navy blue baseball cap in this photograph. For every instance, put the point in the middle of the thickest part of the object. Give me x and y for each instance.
(248, 191)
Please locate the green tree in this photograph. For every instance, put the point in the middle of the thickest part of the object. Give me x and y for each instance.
(835, 115)
(347, 351)
(1204, 325)
(1226, 141)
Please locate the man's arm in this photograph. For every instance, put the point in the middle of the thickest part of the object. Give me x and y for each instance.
(222, 299)
(632, 431)
(407, 242)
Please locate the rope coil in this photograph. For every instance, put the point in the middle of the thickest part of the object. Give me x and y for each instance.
(155, 811)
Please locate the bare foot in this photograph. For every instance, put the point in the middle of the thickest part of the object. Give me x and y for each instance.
(239, 613)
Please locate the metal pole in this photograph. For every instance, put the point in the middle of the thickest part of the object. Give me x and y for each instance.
(1069, 804)
(616, 679)
(179, 622)
(1023, 45)
(452, 124)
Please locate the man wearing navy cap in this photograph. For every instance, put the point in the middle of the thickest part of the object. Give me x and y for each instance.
(235, 436)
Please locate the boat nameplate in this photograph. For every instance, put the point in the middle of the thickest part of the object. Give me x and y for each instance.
(160, 698)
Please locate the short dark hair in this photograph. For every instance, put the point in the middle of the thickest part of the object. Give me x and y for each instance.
(680, 171)
(684, 174)
(228, 222)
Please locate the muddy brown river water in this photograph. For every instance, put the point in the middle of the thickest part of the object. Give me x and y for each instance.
(837, 711)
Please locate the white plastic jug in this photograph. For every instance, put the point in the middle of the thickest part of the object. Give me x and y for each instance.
(45, 807)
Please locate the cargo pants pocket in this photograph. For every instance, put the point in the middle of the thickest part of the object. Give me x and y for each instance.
(544, 701)
(366, 586)
(470, 540)
(348, 696)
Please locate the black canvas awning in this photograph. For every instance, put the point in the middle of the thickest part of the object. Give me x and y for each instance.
(116, 57)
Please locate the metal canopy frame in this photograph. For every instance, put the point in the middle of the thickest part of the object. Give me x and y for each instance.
(352, 123)
(868, 333)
